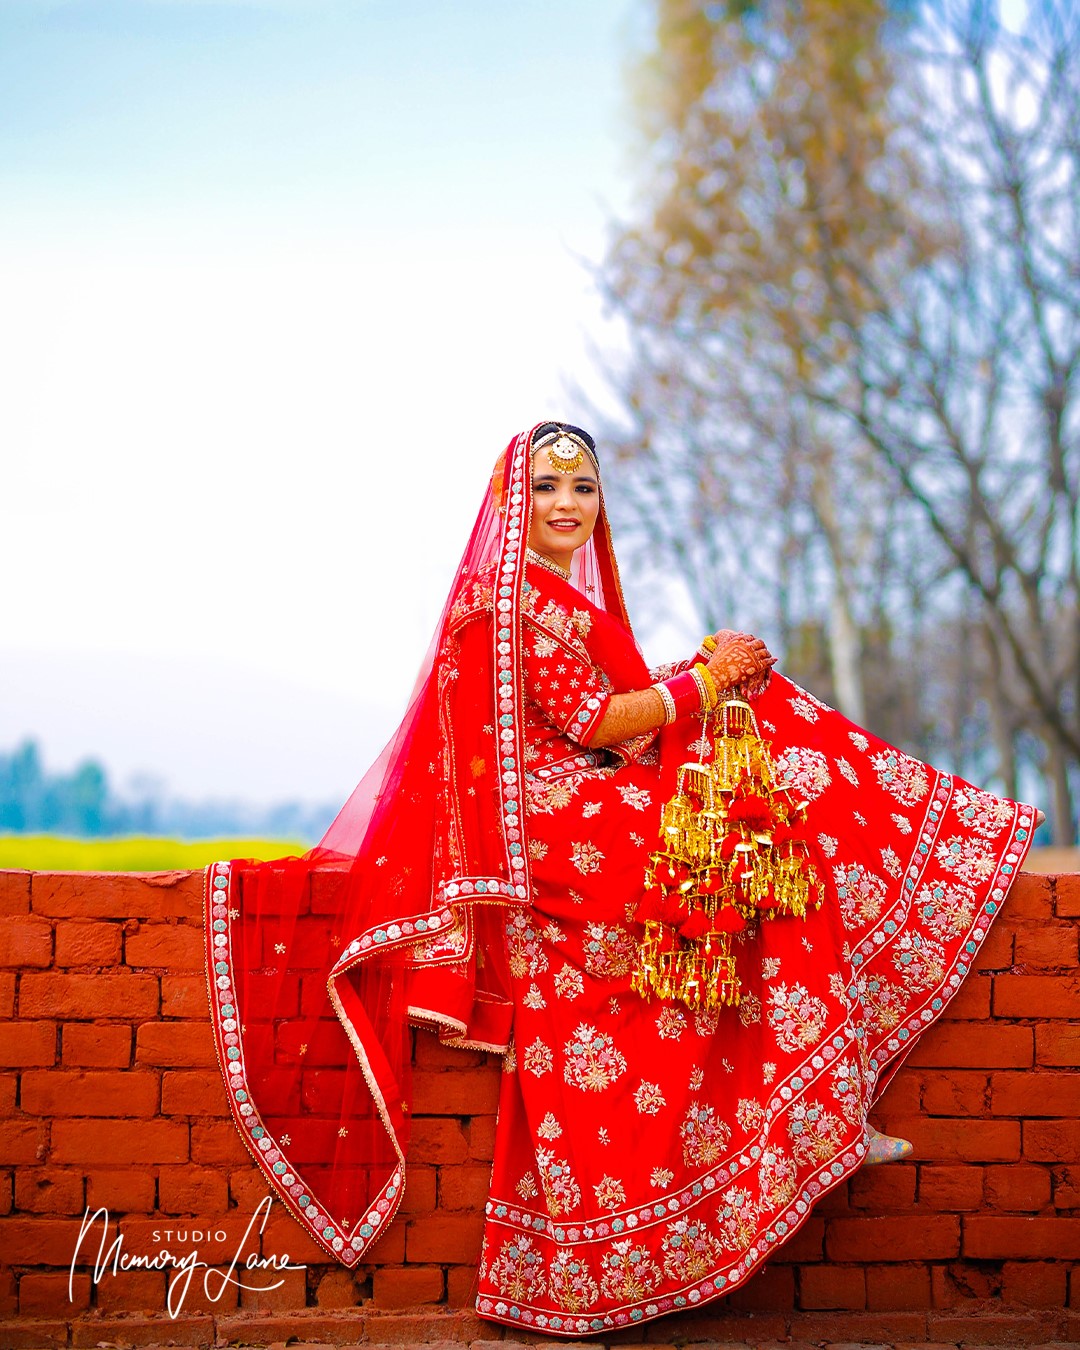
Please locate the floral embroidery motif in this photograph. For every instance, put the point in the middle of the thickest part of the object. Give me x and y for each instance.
(738, 1215)
(947, 909)
(534, 999)
(649, 1099)
(891, 862)
(703, 1136)
(538, 1058)
(547, 796)
(858, 740)
(628, 1272)
(770, 967)
(778, 1178)
(920, 960)
(970, 859)
(544, 646)
(671, 1024)
(706, 1020)
(569, 1282)
(802, 707)
(861, 894)
(518, 1270)
(690, 1251)
(828, 844)
(848, 772)
(905, 778)
(538, 850)
(526, 1187)
(750, 1114)
(524, 946)
(661, 1178)
(901, 822)
(847, 1089)
(796, 1016)
(638, 798)
(549, 1128)
(569, 983)
(697, 1078)
(561, 1191)
(610, 1193)
(982, 811)
(610, 951)
(750, 1010)
(586, 857)
(816, 1134)
(590, 809)
(805, 770)
(592, 1061)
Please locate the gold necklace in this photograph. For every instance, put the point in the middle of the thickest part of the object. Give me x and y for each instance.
(549, 563)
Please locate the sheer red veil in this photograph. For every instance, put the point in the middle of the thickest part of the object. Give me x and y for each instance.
(320, 964)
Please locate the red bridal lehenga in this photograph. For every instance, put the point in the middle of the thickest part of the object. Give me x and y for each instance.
(483, 881)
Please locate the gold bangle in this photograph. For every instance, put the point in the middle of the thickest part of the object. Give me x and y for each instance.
(713, 696)
(702, 688)
(669, 703)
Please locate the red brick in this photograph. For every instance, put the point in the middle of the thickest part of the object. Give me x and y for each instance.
(45, 1295)
(1034, 1284)
(143, 1331)
(988, 1236)
(1017, 1186)
(903, 1095)
(1031, 897)
(949, 1046)
(192, 1190)
(325, 1329)
(444, 1237)
(1066, 1187)
(481, 1136)
(462, 1286)
(883, 1188)
(199, 1092)
(950, 1188)
(856, 1330)
(49, 1190)
(1049, 947)
(22, 1141)
(940, 1139)
(808, 1244)
(139, 1291)
(174, 947)
(38, 1242)
(996, 953)
(88, 996)
(8, 1084)
(832, 1287)
(184, 996)
(407, 1286)
(27, 1044)
(897, 1288)
(338, 1289)
(1058, 1045)
(1035, 1093)
(88, 944)
(1067, 896)
(464, 1187)
(217, 1142)
(921, 1237)
(14, 892)
(430, 1053)
(1037, 996)
(247, 1186)
(438, 1141)
(1052, 1141)
(177, 1044)
(768, 1290)
(956, 1093)
(120, 1190)
(964, 1283)
(25, 942)
(117, 895)
(971, 1002)
(217, 1238)
(420, 1191)
(7, 993)
(119, 1141)
(9, 1297)
(207, 1292)
(390, 1248)
(90, 1092)
(468, 1093)
(273, 1290)
(1009, 1329)
(96, 1045)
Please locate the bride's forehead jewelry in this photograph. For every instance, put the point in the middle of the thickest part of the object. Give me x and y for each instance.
(565, 451)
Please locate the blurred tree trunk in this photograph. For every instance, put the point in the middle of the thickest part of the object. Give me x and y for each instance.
(853, 304)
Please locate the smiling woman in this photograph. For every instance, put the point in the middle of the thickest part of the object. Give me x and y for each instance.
(683, 1078)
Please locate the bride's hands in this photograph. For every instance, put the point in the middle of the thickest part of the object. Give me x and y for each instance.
(740, 661)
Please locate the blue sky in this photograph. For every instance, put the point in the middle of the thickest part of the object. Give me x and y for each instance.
(277, 282)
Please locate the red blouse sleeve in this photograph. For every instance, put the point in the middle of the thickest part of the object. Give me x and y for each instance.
(562, 682)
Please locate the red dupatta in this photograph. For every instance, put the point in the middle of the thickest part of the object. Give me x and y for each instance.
(317, 966)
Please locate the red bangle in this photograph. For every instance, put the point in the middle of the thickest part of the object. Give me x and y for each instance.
(685, 692)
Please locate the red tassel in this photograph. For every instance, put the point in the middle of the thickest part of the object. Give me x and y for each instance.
(695, 927)
(728, 920)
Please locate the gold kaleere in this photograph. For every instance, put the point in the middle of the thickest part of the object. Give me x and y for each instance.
(729, 855)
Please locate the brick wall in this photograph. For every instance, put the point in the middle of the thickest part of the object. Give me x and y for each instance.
(110, 1097)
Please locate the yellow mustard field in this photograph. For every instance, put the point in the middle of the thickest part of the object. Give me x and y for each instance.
(135, 853)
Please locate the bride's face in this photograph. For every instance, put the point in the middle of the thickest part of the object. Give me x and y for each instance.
(565, 507)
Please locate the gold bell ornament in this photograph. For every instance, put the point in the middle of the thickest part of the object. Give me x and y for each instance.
(730, 854)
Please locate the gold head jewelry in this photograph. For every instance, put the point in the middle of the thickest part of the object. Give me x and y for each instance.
(566, 452)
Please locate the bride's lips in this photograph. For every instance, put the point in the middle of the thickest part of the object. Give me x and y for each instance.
(565, 525)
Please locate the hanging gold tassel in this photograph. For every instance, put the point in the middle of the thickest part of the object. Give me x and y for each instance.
(729, 855)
